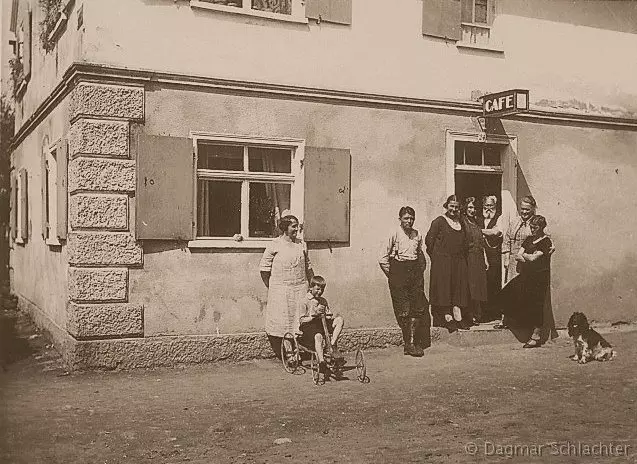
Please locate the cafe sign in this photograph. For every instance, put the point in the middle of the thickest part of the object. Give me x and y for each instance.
(505, 103)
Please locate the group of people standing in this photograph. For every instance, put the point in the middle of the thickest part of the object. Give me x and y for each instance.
(467, 250)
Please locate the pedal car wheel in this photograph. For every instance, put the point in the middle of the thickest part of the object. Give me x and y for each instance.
(361, 368)
(314, 366)
(289, 353)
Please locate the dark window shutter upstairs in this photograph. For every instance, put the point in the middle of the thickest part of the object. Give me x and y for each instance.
(327, 195)
(62, 188)
(330, 11)
(441, 18)
(26, 60)
(165, 188)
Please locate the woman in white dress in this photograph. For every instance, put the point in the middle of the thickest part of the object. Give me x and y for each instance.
(285, 269)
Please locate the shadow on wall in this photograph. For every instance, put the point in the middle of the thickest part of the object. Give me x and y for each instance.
(613, 292)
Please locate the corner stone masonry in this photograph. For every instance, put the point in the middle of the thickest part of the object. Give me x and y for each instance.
(101, 245)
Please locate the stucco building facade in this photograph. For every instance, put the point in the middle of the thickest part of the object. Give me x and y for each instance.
(158, 141)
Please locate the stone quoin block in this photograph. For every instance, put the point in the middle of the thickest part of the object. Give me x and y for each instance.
(89, 284)
(94, 137)
(103, 248)
(96, 211)
(102, 100)
(105, 320)
(96, 174)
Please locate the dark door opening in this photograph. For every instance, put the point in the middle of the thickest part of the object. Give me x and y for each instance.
(479, 184)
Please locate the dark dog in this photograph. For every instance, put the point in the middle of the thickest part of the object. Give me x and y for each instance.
(589, 345)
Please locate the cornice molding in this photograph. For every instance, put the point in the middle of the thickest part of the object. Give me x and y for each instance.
(87, 72)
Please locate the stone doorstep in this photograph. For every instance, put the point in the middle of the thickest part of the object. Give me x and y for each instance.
(167, 351)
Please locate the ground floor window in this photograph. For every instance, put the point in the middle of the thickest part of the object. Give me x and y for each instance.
(243, 188)
(49, 195)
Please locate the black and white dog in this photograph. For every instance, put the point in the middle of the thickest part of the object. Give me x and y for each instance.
(589, 345)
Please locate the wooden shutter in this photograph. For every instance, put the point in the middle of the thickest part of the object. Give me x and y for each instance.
(13, 221)
(62, 161)
(165, 187)
(441, 18)
(330, 11)
(44, 193)
(327, 195)
(26, 60)
(24, 205)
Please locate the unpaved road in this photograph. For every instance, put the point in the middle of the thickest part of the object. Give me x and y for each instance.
(413, 410)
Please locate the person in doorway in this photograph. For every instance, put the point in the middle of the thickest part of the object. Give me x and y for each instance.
(526, 299)
(403, 262)
(492, 230)
(446, 244)
(477, 264)
(285, 269)
(312, 308)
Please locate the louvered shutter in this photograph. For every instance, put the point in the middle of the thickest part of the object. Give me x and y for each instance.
(62, 188)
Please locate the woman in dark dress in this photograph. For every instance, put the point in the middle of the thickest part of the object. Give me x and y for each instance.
(477, 264)
(446, 244)
(525, 298)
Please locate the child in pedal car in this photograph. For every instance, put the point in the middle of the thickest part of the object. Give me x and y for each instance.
(311, 309)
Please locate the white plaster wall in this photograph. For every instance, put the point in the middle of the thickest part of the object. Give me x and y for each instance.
(383, 51)
(39, 272)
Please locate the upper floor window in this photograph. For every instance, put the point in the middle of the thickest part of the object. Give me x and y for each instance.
(467, 22)
(332, 11)
(291, 10)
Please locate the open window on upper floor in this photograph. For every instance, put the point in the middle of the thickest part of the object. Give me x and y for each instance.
(467, 22)
(333, 11)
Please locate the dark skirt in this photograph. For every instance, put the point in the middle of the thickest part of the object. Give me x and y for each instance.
(448, 282)
(407, 289)
(477, 275)
(523, 300)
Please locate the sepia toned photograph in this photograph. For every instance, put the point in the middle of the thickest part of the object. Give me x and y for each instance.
(318, 231)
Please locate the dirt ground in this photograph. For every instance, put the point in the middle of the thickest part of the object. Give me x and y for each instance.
(457, 404)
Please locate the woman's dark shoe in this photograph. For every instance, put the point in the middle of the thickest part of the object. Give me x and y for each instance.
(532, 344)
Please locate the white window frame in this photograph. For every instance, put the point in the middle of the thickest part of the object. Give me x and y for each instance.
(508, 166)
(473, 29)
(297, 16)
(52, 192)
(295, 178)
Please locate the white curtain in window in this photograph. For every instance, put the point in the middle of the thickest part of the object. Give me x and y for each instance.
(276, 192)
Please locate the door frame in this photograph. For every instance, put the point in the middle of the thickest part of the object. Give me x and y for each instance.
(509, 165)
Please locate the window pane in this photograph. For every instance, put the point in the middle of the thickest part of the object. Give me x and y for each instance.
(491, 156)
(459, 152)
(269, 160)
(218, 208)
(273, 6)
(224, 157)
(268, 203)
(473, 154)
(481, 11)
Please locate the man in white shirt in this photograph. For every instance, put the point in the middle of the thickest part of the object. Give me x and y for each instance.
(492, 231)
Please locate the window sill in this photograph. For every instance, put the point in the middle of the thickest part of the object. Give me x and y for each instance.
(228, 243)
(19, 241)
(52, 242)
(486, 48)
(246, 12)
